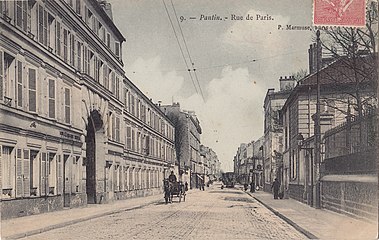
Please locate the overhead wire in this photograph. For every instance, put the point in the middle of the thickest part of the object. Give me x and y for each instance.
(181, 50)
(189, 55)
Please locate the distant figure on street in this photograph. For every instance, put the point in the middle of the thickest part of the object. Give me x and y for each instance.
(252, 188)
(172, 177)
(186, 186)
(276, 187)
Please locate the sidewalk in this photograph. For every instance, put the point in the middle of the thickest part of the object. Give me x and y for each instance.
(30, 225)
(317, 223)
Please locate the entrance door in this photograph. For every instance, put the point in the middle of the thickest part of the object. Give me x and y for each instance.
(94, 136)
(67, 181)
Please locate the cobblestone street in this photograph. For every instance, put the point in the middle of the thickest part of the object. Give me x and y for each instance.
(212, 214)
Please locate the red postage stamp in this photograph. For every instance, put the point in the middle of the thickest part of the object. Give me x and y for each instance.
(339, 12)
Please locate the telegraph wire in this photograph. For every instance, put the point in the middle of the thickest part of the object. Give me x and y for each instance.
(237, 63)
(181, 50)
(189, 55)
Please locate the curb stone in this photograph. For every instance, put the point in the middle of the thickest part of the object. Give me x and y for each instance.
(71, 222)
(286, 219)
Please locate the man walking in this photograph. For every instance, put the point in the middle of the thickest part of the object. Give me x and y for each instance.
(276, 187)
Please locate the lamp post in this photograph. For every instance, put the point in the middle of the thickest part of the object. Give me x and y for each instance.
(317, 122)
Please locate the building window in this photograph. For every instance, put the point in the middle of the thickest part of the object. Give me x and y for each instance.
(6, 171)
(113, 83)
(117, 49)
(117, 129)
(78, 7)
(51, 98)
(106, 76)
(128, 138)
(66, 35)
(117, 88)
(73, 53)
(67, 106)
(51, 174)
(133, 141)
(32, 90)
(42, 25)
(108, 40)
(23, 173)
(23, 15)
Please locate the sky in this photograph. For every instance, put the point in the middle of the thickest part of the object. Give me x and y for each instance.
(236, 60)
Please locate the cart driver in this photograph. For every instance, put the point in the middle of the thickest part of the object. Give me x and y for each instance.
(172, 177)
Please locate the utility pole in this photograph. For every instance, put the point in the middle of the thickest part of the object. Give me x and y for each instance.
(317, 124)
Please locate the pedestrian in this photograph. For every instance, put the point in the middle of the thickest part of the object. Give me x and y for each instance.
(276, 187)
(252, 188)
(186, 186)
(172, 177)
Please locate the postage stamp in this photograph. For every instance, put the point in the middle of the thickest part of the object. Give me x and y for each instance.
(339, 12)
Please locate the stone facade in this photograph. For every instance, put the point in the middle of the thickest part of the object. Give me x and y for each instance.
(187, 143)
(74, 129)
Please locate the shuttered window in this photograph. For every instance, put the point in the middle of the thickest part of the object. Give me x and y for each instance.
(128, 138)
(42, 26)
(67, 105)
(32, 90)
(113, 87)
(117, 129)
(79, 52)
(117, 49)
(73, 53)
(51, 98)
(106, 76)
(66, 35)
(22, 15)
(6, 167)
(117, 90)
(1, 75)
(22, 173)
(133, 141)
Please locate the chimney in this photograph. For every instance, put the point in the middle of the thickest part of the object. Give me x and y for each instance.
(312, 54)
(287, 83)
(107, 8)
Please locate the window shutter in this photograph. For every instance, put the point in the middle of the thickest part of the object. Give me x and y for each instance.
(51, 98)
(32, 90)
(1, 76)
(26, 179)
(19, 180)
(1, 167)
(59, 175)
(43, 174)
(19, 84)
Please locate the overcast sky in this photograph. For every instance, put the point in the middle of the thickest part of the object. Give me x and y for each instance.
(236, 61)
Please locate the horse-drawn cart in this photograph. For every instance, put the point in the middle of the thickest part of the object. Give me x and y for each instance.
(174, 189)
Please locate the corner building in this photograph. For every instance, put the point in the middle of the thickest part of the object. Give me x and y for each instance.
(74, 129)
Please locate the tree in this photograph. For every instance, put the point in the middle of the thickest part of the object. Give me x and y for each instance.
(355, 49)
(300, 74)
(180, 134)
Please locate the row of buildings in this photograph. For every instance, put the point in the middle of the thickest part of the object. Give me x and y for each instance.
(340, 173)
(74, 128)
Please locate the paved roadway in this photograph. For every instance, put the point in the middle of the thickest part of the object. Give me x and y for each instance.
(211, 214)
